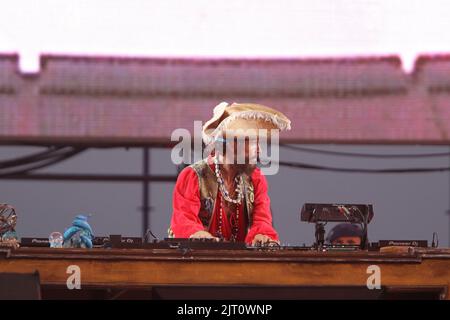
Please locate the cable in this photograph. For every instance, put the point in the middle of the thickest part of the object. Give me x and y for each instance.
(30, 158)
(149, 232)
(43, 163)
(357, 170)
(365, 155)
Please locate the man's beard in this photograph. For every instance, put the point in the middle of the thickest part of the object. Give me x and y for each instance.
(246, 169)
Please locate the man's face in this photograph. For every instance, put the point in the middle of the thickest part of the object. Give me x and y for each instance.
(356, 241)
(242, 153)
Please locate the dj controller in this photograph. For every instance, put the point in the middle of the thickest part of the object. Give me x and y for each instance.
(120, 242)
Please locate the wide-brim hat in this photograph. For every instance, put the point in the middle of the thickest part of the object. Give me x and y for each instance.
(243, 116)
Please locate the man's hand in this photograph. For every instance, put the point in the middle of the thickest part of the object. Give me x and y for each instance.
(203, 235)
(261, 239)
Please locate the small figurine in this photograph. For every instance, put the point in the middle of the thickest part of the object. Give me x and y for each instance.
(8, 220)
(56, 240)
(79, 235)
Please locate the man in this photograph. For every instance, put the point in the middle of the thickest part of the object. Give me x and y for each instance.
(345, 234)
(220, 197)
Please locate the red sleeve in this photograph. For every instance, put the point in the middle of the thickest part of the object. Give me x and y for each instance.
(186, 205)
(262, 215)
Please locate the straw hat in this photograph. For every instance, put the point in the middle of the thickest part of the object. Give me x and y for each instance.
(242, 116)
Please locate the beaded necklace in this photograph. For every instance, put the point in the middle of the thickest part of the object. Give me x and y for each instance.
(226, 196)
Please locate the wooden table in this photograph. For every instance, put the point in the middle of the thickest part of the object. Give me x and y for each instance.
(176, 273)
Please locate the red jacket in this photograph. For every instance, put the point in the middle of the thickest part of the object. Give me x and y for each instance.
(186, 206)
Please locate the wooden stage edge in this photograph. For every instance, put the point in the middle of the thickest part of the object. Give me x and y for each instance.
(108, 273)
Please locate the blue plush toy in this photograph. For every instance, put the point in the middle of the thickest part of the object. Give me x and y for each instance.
(79, 235)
